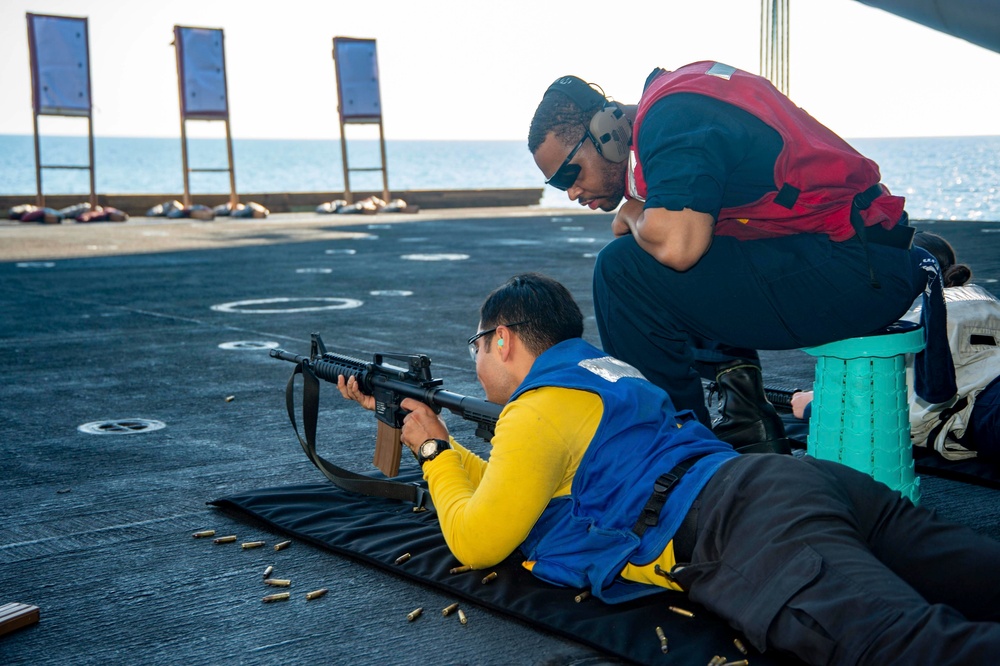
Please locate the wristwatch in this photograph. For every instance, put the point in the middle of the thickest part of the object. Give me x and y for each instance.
(430, 450)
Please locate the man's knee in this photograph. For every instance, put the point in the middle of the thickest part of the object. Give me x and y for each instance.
(611, 260)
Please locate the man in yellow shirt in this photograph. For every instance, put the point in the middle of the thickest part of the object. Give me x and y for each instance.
(602, 484)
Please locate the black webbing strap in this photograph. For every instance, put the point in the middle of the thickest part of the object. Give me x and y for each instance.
(863, 200)
(662, 488)
(343, 478)
(943, 418)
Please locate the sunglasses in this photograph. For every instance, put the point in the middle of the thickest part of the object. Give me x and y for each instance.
(567, 173)
(474, 348)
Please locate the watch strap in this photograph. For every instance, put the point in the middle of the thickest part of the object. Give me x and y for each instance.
(442, 445)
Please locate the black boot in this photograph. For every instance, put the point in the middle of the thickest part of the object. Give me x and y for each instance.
(748, 421)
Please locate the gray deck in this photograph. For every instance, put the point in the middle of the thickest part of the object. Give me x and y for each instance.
(96, 529)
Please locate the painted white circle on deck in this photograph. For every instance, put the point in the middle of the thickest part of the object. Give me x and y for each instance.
(330, 304)
(435, 257)
(121, 426)
(517, 241)
(249, 344)
(581, 240)
(391, 292)
(344, 251)
(990, 231)
(35, 264)
(562, 219)
(571, 228)
(314, 270)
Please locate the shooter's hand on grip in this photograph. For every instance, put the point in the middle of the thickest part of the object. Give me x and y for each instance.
(421, 424)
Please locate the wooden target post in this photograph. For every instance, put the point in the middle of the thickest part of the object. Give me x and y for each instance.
(202, 91)
(359, 100)
(60, 83)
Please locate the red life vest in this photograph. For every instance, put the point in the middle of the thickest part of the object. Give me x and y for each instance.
(817, 173)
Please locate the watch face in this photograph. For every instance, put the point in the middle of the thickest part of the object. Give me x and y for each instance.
(428, 448)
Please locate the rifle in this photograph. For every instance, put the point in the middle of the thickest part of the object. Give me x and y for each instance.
(389, 385)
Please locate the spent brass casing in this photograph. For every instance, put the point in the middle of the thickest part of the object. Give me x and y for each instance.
(277, 582)
(461, 617)
(268, 570)
(230, 398)
(402, 558)
(414, 614)
(681, 611)
(583, 596)
(739, 645)
(316, 594)
(203, 534)
(252, 544)
(461, 569)
(717, 660)
(282, 545)
(663, 640)
(448, 610)
(280, 596)
(226, 539)
(741, 662)
(490, 577)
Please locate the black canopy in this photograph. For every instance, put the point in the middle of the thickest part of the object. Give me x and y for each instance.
(976, 21)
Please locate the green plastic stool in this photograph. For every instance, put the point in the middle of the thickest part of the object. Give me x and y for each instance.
(860, 413)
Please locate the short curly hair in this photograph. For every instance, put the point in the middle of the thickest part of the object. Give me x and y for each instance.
(559, 114)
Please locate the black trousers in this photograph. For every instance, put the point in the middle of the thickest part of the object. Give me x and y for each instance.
(781, 293)
(815, 558)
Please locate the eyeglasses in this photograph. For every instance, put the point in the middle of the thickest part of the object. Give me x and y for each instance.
(567, 173)
(474, 348)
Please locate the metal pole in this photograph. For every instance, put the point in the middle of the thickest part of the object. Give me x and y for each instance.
(178, 50)
(233, 198)
(90, 120)
(787, 52)
(343, 156)
(39, 197)
(385, 168)
(90, 143)
(184, 164)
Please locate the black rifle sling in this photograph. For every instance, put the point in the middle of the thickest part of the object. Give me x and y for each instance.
(341, 477)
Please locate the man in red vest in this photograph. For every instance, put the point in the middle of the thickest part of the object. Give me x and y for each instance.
(747, 225)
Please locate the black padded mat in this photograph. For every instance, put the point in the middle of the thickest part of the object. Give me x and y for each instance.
(378, 531)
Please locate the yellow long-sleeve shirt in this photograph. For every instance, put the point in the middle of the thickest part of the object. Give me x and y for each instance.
(486, 509)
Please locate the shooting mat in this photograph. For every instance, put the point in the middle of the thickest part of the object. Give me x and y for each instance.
(377, 531)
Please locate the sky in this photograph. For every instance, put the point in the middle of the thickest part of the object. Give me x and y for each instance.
(468, 70)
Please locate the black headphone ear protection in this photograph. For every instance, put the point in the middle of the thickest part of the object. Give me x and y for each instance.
(609, 129)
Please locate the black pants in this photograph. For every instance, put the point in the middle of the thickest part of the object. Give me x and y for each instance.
(817, 559)
(781, 293)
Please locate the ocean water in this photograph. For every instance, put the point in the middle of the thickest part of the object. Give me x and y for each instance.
(942, 178)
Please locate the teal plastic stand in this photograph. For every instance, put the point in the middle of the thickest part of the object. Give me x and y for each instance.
(860, 414)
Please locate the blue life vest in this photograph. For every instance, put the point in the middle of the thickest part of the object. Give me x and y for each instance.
(584, 539)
